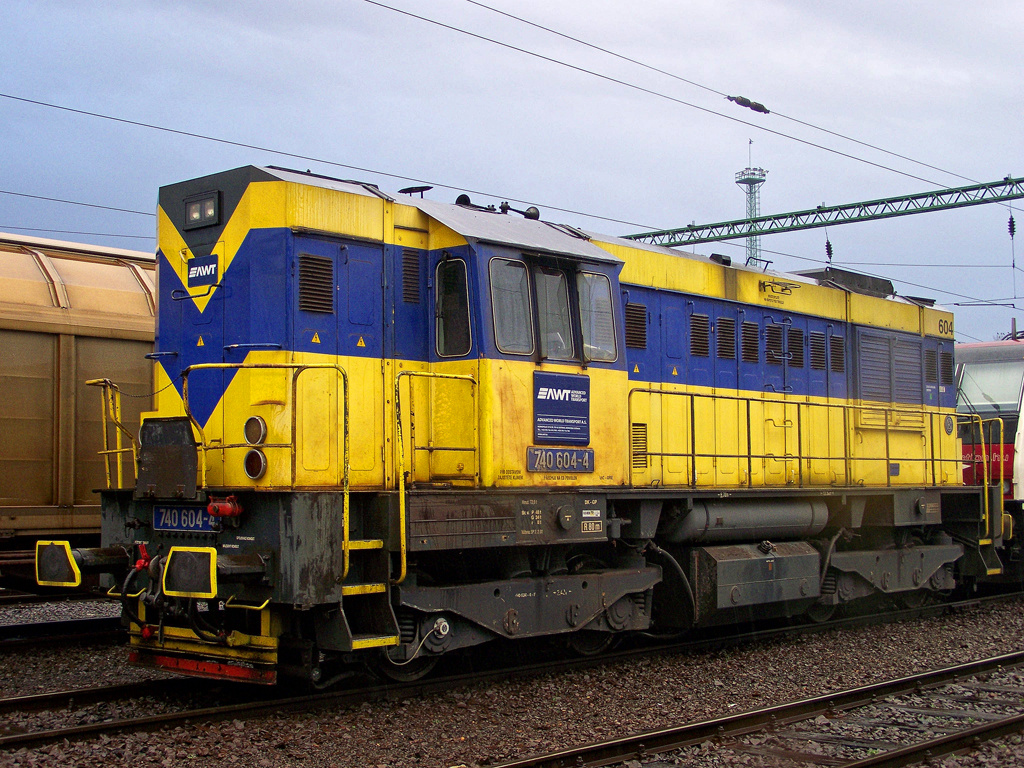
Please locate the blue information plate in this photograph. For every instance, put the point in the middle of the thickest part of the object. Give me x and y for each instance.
(193, 519)
(559, 459)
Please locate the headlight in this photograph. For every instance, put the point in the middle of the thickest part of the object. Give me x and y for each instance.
(255, 430)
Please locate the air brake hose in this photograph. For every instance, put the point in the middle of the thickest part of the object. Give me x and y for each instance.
(678, 569)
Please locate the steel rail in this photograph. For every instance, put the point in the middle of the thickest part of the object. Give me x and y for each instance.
(69, 630)
(640, 745)
(397, 691)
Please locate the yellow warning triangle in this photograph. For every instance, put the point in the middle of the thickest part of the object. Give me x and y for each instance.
(316, 337)
(674, 371)
(636, 369)
(361, 342)
(200, 342)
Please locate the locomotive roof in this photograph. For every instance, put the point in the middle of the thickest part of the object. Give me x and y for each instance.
(487, 225)
(532, 234)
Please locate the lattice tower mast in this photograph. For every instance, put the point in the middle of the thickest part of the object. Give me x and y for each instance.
(752, 179)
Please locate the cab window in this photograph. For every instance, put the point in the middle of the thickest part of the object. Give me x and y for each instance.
(510, 300)
(453, 334)
(553, 314)
(596, 317)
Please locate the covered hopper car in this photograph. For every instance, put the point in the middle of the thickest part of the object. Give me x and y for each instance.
(388, 428)
(68, 313)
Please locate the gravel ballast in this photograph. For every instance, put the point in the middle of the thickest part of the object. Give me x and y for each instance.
(490, 723)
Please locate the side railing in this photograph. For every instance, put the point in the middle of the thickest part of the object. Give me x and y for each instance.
(888, 420)
(430, 448)
(297, 369)
(977, 425)
(110, 416)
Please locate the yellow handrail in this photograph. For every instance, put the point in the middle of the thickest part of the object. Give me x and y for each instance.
(412, 447)
(297, 370)
(110, 407)
(885, 415)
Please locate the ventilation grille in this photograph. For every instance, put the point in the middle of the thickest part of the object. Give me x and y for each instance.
(638, 444)
(817, 351)
(725, 344)
(837, 358)
(946, 368)
(796, 347)
(316, 283)
(411, 277)
(636, 326)
(750, 351)
(700, 336)
(931, 366)
(773, 344)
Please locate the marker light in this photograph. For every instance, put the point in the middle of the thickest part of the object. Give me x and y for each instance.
(255, 464)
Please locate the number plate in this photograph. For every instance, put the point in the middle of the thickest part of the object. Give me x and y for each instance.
(194, 519)
(559, 460)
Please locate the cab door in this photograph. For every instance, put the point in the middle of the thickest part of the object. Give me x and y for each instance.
(452, 417)
(338, 335)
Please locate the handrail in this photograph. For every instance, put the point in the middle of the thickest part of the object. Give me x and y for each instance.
(412, 447)
(848, 410)
(988, 456)
(110, 401)
(297, 370)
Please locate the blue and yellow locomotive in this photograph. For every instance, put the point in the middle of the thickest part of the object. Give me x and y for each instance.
(389, 428)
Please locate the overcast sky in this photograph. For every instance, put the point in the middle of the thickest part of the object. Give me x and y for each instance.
(357, 84)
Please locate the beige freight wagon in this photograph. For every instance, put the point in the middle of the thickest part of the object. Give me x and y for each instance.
(68, 313)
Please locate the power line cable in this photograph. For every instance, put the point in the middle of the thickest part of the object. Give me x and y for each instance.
(77, 202)
(7, 228)
(296, 156)
(712, 90)
(649, 91)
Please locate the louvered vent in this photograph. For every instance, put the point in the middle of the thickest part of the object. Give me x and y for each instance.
(316, 283)
(749, 348)
(636, 326)
(837, 354)
(931, 366)
(700, 336)
(410, 277)
(638, 443)
(946, 368)
(773, 344)
(817, 351)
(725, 343)
(796, 347)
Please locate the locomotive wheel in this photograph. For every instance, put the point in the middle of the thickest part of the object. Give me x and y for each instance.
(406, 672)
(589, 642)
(918, 598)
(819, 613)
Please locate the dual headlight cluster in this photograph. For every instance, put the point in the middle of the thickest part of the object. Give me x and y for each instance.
(255, 432)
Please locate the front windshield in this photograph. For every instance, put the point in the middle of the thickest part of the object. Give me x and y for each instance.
(990, 387)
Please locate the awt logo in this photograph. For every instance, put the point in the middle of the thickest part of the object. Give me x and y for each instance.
(553, 393)
(202, 270)
(206, 270)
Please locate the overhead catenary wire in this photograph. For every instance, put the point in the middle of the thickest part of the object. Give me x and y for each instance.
(77, 202)
(715, 91)
(7, 228)
(310, 158)
(649, 91)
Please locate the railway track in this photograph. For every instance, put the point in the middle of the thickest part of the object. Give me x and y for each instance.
(90, 630)
(895, 723)
(248, 702)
